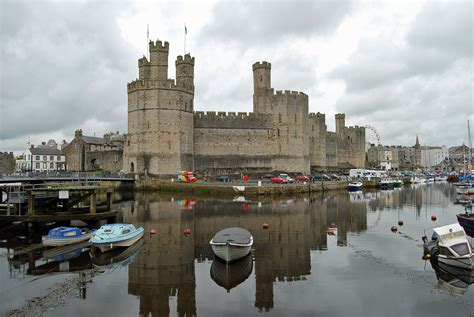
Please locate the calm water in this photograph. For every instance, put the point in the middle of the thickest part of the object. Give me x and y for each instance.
(297, 266)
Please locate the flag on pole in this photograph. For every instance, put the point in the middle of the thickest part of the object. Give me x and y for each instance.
(147, 31)
(185, 29)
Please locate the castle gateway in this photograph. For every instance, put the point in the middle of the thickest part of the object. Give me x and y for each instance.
(166, 135)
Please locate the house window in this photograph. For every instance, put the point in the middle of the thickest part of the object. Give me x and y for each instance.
(51, 165)
(45, 165)
(37, 165)
(45, 158)
(51, 158)
(37, 158)
(58, 158)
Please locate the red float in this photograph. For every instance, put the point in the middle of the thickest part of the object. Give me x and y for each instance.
(152, 231)
(433, 218)
(394, 229)
(400, 222)
(187, 231)
(265, 226)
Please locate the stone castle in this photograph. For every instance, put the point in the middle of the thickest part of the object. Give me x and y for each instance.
(166, 135)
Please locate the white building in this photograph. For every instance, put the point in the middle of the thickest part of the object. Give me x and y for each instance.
(43, 158)
(433, 155)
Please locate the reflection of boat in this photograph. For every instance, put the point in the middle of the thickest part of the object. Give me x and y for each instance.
(465, 189)
(67, 235)
(116, 235)
(64, 253)
(451, 278)
(229, 275)
(355, 186)
(232, 243)
(449, 245)
(116, 257)
(466, 220)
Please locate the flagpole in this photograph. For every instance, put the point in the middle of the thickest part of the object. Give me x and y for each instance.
(147, 41)
(185, 31)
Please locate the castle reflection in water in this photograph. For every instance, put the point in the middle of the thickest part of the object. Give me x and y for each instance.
(165, 267)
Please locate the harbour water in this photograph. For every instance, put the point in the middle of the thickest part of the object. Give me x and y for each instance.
(330, 254)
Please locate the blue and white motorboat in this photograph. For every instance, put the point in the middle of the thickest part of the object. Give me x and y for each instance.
(67, 235)
(116, 235)
(386, 183)
(355, 186)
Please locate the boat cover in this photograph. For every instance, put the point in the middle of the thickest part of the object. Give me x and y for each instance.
(234, 235)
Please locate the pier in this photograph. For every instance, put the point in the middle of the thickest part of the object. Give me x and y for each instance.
(55, 203)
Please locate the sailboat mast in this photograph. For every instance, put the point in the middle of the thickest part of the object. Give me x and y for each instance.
(470, 144)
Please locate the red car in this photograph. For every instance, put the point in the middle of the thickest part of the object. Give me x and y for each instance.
(279, 180)
(302, 178)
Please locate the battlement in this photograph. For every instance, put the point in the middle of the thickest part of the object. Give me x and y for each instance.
(261, 65)
(143, 61)
(159, 46)
(340, 116)
(140, 84)
(232, 120)
(186, 60)
(318, 116)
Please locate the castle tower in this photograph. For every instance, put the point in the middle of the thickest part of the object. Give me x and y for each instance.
(185, 72)
(417, 147)
(340, 122)
(262, 82)
(159, 60)
(160, 115)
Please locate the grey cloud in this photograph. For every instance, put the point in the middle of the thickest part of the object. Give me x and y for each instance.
(259, 23)
(62, 64)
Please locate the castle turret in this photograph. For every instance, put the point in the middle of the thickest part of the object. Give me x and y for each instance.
(185, 72)
(340, 122)
(143, 68)
(159, 60)
(262, 82)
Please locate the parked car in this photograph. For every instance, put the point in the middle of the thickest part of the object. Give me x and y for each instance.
(320, 177)
(287, 177)
(278, 180)
(223, 178)
(267, 176)
(186, 177)
(302, 178)
(335, 177)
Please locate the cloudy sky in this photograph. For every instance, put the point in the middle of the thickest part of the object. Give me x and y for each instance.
(403, 67)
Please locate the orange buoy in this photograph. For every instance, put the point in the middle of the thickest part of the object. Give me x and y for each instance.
(394, 229)
(433, 218)
(400, 222)
(265, 226)
(152, 231)
(187, 231)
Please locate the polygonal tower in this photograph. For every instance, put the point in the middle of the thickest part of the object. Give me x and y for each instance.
(262, 83)
(160, 115)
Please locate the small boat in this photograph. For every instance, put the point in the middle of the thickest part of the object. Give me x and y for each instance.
(453, 279)
(386, 183)
(449, 245)
(229, 275)
(398, 183)
(466, 220)
(116, 235)
(66, 235)
(355, 186)
(417, 180)
(231, 243)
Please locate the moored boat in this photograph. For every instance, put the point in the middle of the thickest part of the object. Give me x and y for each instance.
(116, 235)
(66, 235)
(398, 183)
(449, 245)
(231, 243)
(466, 220)
(386, 183)
(355, 186)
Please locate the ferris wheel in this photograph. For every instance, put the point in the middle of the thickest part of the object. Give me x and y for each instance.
(377, 136)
